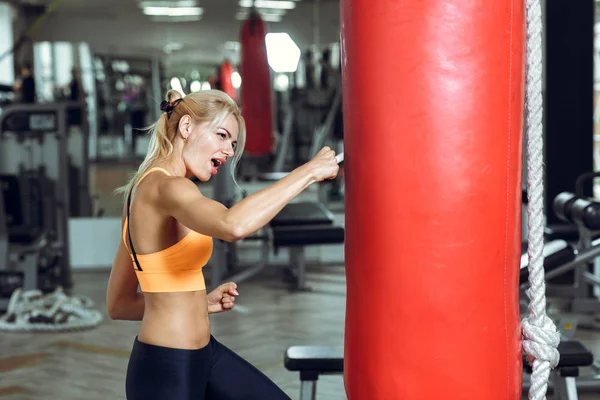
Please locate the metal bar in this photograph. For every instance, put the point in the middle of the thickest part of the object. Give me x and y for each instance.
(283, 150)
(591, 278)
(585, 305)
(156, 90)
(298, 266)
(62, 191)
(85, 199)
(322, 131)
(582, 257)
(3, 234)
(247, 273)
(42, 107)
(308, 390)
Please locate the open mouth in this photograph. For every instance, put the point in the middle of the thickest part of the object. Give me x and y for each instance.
(216, 163)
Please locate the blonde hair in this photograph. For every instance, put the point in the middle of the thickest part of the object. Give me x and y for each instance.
(212, 106)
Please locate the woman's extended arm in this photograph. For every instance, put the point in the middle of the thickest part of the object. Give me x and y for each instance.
(183, 201)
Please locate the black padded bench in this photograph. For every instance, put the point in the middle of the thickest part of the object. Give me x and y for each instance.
(556, 253)
(302, 224)
(312, 361)
(303, 213)
(303, 235)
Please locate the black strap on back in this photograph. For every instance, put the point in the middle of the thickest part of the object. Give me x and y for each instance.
(129, 233)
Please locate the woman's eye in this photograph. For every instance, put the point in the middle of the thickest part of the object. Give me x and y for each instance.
(224, 136)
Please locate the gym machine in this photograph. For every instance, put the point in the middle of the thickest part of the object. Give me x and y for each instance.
(582, 260)
(298, 225)
(31, 135)
(35, 155)
(29, 256)
(321, 132)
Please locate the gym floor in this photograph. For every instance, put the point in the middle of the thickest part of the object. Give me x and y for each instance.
(92, 364)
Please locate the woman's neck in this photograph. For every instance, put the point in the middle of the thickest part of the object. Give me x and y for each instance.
(175, 167)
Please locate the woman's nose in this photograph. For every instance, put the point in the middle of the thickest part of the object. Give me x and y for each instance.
(228, 150)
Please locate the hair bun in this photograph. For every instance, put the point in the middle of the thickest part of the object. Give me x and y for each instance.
(164, 105)
(173, 95)
(168, 105)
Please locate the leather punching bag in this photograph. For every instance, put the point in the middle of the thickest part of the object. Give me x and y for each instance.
(225, 72)
(256, 87)
(433, 94)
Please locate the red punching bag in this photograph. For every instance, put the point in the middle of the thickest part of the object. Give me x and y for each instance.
(433, 198)
(225, 72)
(256, 87)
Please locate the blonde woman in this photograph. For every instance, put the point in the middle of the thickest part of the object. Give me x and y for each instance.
(168, 230)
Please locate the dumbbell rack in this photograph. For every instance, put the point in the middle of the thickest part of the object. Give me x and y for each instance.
(585, 214)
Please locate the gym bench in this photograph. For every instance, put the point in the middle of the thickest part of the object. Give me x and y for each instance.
(303, 224)
(310, 362)
(313, 361)
(297, 225)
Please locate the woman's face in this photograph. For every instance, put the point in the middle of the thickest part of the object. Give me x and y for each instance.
(205, 149)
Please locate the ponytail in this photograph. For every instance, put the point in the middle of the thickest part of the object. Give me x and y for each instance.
(210, 105)
(159, 146)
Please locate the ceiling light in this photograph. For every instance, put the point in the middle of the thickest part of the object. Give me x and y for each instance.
(268, 18)
(264, 11)
(173, 11)
(195, 86)
(282, 83)
(232, 45)
(176, 85)
(271, 18)
(163, 3)
(171, 47)
(186, 18)
(282, 52)
(236, 79)
(284, 5)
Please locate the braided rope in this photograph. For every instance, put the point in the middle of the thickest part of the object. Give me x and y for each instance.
(541, 338)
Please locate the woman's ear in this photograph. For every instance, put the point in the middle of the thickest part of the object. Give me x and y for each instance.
(185, 126)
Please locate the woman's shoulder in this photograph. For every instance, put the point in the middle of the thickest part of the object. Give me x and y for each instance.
(169, 184)
(174, 191)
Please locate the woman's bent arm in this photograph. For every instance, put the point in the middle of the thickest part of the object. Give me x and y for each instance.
(182, 200)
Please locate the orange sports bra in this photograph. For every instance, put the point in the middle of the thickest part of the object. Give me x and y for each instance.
(177, 268)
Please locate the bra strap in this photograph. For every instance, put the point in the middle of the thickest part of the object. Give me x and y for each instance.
(129, 213)
(137, 263)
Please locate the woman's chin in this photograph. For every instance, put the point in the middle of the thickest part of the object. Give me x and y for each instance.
(203, 176)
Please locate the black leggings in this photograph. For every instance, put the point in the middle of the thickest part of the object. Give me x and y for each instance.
(210, 373)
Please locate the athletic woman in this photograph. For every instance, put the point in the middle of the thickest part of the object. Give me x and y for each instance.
(167, 238)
